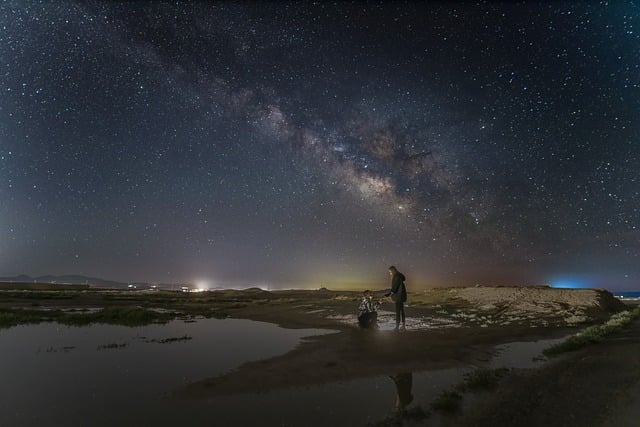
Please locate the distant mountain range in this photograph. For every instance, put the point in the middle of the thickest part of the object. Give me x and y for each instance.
(102, 283)
(70, 279)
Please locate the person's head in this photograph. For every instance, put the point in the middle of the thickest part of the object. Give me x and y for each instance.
(367, 293)
(392, 270)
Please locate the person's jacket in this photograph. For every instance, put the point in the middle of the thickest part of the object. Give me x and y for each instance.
(366, 306)
(398, 290)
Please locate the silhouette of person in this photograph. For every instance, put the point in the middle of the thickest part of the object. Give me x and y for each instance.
(398, 294)
(404, 383)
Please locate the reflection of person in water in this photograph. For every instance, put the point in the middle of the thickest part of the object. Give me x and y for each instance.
(367, 314)
(404, 382)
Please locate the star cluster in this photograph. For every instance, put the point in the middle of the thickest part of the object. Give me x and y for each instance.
(308, 144)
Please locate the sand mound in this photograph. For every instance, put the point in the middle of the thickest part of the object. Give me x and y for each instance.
(572, 305)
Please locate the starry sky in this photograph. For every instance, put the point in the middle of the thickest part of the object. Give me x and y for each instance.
(315, 144)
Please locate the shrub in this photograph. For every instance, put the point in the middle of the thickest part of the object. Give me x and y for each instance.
(594, 334)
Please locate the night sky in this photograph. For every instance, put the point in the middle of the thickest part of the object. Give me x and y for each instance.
(307, 145)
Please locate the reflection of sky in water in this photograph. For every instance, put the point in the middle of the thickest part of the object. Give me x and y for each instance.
(521, 354)
(44, 385)
(348, 403)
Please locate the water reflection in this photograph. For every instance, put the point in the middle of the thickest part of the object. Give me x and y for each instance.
(404, 384)
(522, 355)
(115, 375)
(60, 375)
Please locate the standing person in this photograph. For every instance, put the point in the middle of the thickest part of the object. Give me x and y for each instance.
(398, 294)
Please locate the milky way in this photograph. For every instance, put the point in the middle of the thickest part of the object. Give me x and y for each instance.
(316, 144)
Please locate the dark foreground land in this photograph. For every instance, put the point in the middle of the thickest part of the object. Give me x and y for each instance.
(594, 385)
(598, 385)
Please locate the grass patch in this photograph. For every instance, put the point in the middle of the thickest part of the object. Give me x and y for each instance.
(173, 339)
(12, 317)
(126, 316)
(112, 346)
(207, 312)
(64, 349)
(40, 295)
(594, 334)
(483, 379)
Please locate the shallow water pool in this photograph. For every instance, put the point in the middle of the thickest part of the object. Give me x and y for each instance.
(116, 375)
(104, 374)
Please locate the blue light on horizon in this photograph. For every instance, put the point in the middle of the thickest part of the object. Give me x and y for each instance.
(569, 284)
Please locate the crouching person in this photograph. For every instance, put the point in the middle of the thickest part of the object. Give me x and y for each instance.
(367, 314)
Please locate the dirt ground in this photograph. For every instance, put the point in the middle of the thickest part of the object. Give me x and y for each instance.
(355, 354)
(596, 386)
(446, 327)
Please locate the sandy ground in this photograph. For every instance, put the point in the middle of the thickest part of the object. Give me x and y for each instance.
(599, 385)
(445, 328)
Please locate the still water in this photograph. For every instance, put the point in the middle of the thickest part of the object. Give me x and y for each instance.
(113, 375)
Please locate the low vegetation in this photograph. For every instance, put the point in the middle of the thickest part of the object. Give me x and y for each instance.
(449, 401)
(117, 315)
(172, 339)
(594, 334)
(83, 307)
(64, 349)
(40, 295)
(483, 379)
(112, 346)
(127, 316)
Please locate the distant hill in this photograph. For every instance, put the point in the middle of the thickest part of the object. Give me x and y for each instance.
(72, 279)
(69, 279)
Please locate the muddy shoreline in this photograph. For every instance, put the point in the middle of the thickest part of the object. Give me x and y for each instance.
(446, 328)
(595, 386)
(354, 354)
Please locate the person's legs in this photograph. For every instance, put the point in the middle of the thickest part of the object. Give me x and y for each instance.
(399, 309)
(362, 320)
(402, 317)
(368, 320)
